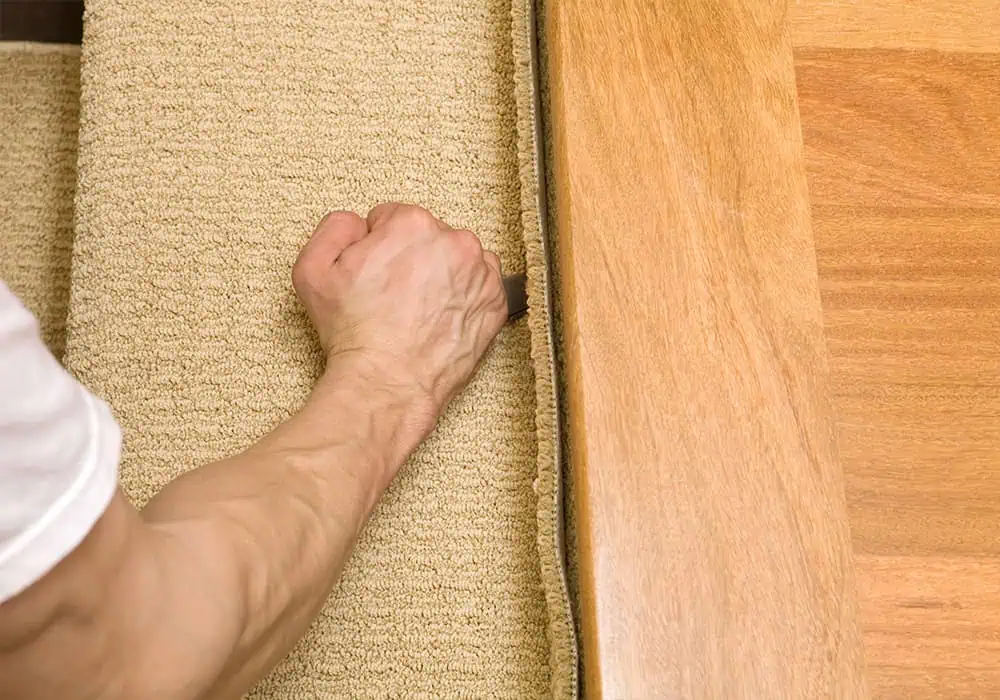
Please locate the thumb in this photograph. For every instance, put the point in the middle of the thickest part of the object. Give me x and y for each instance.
(333, 235)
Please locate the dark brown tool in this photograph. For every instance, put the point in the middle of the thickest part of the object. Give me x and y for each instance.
(517, 296)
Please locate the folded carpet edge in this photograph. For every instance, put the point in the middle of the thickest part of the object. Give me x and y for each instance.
(563, 659)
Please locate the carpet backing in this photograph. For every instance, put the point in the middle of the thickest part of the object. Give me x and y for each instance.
(211, 141)
(39, 111)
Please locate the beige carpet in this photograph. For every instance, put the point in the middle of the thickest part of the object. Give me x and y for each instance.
(39, 114)
(211, 140)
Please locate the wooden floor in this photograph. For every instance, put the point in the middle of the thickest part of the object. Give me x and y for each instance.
(712, 536)
(900, 111)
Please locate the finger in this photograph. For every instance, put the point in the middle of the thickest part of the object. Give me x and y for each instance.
(335, 233)
(493, 260)
(381, 213)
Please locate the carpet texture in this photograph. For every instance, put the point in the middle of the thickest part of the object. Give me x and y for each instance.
(39, 111)
(554, 321)
(553, 543)
(211, 141)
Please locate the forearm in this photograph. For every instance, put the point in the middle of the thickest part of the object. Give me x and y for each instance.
(285, 514)
(224, 570)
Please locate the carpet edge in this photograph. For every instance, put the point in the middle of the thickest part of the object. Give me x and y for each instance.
(563, 659)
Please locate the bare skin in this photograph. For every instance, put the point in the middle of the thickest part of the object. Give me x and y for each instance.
(199, 595)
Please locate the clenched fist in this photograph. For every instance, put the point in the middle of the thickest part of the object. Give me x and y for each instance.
(412, 300)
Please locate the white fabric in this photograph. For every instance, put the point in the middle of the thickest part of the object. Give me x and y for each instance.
(59, 452)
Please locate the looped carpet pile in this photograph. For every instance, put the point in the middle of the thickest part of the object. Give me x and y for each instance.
(212, 137)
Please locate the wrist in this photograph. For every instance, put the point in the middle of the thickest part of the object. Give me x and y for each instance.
(356, 430)
(381, 382)
(386, 414)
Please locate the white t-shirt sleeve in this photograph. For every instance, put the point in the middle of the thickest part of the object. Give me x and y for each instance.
(59, 452)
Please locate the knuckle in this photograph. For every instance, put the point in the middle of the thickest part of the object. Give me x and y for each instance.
(468, 243)
(418, 217)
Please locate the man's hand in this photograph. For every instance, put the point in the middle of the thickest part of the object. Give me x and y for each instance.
(403, 297)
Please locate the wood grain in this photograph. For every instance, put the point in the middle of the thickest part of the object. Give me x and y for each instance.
(901, 150)
(912, 305)
(944, 25)
(933, 625)
(901, 129)
(713, 543)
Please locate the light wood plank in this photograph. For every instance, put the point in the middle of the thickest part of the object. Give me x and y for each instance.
(900, 128)
(933, 625)
(714, 549)
(944, 25)
(901, 150)
(912, 308)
